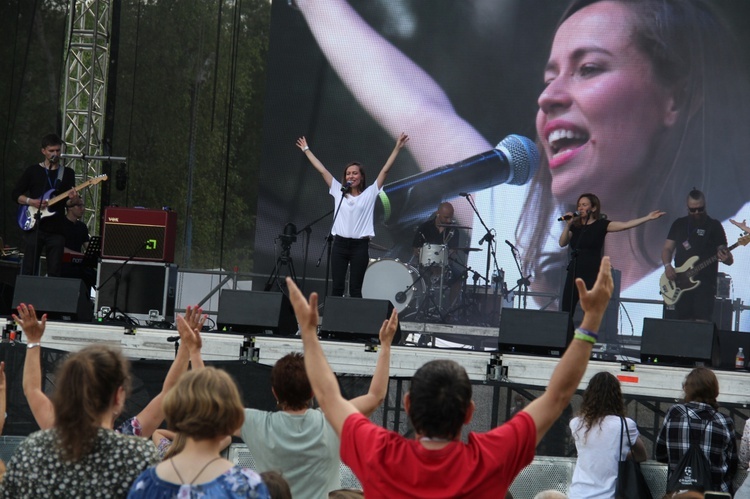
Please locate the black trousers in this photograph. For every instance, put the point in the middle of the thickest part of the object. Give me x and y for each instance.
(353, 254)
(54, 246)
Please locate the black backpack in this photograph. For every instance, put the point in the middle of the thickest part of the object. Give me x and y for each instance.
(693, 471)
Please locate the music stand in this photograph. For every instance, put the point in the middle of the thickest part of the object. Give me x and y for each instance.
(93, 251)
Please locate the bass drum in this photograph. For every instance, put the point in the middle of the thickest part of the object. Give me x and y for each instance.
(386, 279)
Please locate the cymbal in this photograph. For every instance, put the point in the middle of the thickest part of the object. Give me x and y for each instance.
(468, 249)
(454, 226)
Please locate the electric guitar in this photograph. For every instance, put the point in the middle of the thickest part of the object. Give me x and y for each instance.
(671, 290)
(27, 214)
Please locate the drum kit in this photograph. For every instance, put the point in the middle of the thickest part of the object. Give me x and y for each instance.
(423, 292)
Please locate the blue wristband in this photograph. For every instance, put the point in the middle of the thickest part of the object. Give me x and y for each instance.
(586, 335)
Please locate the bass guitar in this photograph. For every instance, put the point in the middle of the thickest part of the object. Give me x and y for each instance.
(27, 215)
(672, 290)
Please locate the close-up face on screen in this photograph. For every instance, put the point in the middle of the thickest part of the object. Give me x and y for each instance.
(513, 109)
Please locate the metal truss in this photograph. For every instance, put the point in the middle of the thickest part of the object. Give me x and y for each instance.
(84, 94)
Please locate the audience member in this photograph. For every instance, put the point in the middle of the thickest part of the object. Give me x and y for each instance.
(346, 494)
(151, 416)
(82, 456)
(697, 421)
(3, 407)
(744, 462)
(551, 494)
(205, 407)
(599, 437)
(436, 463)
(278, 488)
(297, 440)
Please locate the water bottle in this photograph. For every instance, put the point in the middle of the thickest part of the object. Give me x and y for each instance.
(739, 359)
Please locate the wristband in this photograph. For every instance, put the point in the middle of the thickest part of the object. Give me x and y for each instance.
(29, 346)
(306, 148)
(28, 201)
(585, 335)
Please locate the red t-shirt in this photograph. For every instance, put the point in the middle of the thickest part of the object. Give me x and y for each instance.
(389, 465)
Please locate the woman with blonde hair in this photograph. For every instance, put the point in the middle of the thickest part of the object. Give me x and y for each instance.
(204, 407)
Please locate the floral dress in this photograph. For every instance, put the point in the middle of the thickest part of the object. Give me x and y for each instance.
(237, 482)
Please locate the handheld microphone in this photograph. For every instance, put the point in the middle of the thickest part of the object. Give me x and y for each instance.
(565, 218)
(346, 187)
(515, 160)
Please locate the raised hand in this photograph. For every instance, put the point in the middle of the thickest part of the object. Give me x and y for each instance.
(305, 310)
(31, 326)
(388, 329)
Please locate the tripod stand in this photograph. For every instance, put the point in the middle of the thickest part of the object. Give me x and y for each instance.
(285, 258)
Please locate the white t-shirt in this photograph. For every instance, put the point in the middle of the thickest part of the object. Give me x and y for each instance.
(595, 474)
(303, 448)
(354, 219)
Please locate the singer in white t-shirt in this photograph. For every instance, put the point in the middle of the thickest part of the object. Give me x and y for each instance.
(354, 205)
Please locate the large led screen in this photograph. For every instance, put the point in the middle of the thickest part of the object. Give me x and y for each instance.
(617, 108)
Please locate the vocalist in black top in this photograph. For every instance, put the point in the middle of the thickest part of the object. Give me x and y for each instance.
(584, 232)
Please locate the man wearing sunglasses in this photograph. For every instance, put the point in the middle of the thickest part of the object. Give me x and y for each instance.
(695, 235)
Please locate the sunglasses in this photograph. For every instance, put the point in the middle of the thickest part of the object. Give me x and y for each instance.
(699, 209)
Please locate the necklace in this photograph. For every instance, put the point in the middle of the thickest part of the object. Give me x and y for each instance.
(182, 480)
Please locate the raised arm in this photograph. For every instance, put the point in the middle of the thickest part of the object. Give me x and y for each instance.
(366, 404)
(400, 143)
(618, 226)
(3, 397)
(40, 405)
(325, 387)
(395, 91)
(151, 417)
(567, 375)
(327, 177)
(566, 234)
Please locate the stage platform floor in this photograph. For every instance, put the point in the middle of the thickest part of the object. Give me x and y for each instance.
(358, 358)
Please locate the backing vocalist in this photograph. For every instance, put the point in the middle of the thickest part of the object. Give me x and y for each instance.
(585, 233)
(353, 227)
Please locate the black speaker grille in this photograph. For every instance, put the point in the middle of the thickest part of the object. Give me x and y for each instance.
(143, 242)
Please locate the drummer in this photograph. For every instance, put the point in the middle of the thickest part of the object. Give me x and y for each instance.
(438, 231)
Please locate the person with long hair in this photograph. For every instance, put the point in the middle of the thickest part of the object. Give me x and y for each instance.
(75, 458)
(642, 100)
(585, 233)
(204, 407)
(353, 227)
(296, 440)
(697, 420)
(601, 430)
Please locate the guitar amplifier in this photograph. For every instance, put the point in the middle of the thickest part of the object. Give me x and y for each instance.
(145, 235)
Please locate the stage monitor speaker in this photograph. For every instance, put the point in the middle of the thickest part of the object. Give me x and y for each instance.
(535, 332)
(255, 312)
(356, 319)
(145, 291)
(145, 235)
(60, 298)
(679, 343)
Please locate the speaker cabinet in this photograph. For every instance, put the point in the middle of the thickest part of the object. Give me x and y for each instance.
(356, 319)
(255, 312)
(535, 332)
(680, 343)
(58, 297)
(145, 235)
(145, 290)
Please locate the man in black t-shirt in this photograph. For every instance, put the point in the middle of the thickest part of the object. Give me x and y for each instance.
(696, 235)
(39, 183)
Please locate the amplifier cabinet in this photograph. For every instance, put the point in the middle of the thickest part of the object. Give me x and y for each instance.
(146, 235)
(143, 287)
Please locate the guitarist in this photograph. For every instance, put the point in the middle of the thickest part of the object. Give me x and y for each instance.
(699, 235)
(36, 181)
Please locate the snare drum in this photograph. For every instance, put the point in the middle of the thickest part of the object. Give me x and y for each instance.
(386, 278)
(433, 254)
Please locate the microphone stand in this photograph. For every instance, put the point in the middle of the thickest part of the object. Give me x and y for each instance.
(329, 245)
(307, 229)
(523, 283)
(488, 236)
(117, 274)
